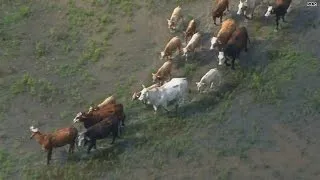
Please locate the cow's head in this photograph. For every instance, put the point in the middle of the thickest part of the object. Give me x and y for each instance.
(34, 131)
(162, 55)
(80, 117)
(135, 95)
(144, 94)
(270, 11)
(155, 77)
(242, 7)
(221, 58)
(200, 85)
(171, 24)
(213, 42)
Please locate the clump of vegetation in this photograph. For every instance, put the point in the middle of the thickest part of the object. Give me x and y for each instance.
(6, 164)
(40, 88)
(40, 49)
(21, 13)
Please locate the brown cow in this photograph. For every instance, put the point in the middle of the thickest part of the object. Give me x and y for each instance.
(235, 45)
(95, 116)
(217, 12)
(56, 139)
(191, 30)
(173, 45)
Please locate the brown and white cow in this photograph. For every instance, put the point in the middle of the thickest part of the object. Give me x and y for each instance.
(238, 41)
(164, 73)
(224, 34)
(191, 30)
(173, 45)
(176, 16)
(218, 10)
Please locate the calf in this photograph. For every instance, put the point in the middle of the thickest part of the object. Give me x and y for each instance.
(218, 11)
(164, 73)
(89, 119)
(246, 7)
(174, 90)
(192, 45)
(235, 45)
(191, 30)
(136, 95)
(209, 78)
(279, 9)
(175, 17)
(56, 139)
(173, 45)
(224, 34)
(98, 131)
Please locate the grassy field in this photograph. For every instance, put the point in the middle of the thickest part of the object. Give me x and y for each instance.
(58, 57)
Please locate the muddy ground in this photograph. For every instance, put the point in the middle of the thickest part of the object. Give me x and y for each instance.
(58, 57)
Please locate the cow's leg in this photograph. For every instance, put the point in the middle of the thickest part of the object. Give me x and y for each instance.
(214, 21)
(232, 67)
(91, 145)
(49, 155)
(277, 22)
(283, 19)
(211, 85)
(221, 18)
(114, 135)
(226, 62)
(155, 108)
(227, 6)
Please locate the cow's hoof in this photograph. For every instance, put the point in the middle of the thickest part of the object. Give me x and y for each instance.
(275, 30)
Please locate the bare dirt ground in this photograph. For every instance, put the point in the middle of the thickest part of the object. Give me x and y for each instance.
(57, 57)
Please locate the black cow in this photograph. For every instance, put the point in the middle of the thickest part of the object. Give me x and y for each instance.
(98, 131)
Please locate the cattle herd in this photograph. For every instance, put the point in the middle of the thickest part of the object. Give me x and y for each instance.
(109, 117)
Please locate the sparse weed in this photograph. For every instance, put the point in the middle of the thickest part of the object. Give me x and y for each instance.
(40, 49)
(21, 13)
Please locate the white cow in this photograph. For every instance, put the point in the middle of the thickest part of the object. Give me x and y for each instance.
(174, 90)
(246, 7)
(212, 76)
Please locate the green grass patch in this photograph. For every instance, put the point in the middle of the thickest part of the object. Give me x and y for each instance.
(270, 84)
(40, 88)
(16, 16)
(7, 164)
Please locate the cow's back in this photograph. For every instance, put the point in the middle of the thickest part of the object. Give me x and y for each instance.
(239, 38)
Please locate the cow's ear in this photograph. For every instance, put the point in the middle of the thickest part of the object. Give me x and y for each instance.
(143, 86)
(168, 20)
(152, 74)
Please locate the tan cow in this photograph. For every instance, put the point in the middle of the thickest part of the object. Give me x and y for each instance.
(164, 73)
(192, 45)
(191, 30)
(173, 45)
(174, 19)
(136, 95)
